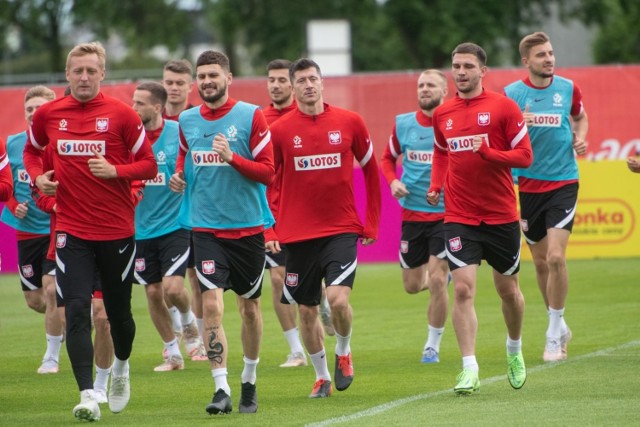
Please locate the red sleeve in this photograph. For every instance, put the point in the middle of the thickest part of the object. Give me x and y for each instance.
(270, 235)
(520, 155)
(260, 169)
(144, 164)
(137, 191)
(11, 203)
(6, 177)
(440, 162)
(182, 152)
(43, 202)
(363, 150)
(388, 161)
(576, 101)
(273, 189)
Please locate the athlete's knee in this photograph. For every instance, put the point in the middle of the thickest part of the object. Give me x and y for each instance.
(556, 259)
(35, 300)
(250, 311)
(413, 285)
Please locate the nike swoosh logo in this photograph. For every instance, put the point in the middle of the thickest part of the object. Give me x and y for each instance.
(139, 127)
(175, 258)
(520, 124)
(207, 135)
(538, 100)
(568, 210)
(342, 267)
(121, 251)
(424, 137)
(261, 134)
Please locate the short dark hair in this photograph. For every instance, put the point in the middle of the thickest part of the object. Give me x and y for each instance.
(157, 91)
(179, 66)
(303, 64)
(279, 64)
(209, 57)
(473, 49)
(530, 41)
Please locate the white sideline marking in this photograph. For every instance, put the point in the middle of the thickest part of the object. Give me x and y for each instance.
(395, 403)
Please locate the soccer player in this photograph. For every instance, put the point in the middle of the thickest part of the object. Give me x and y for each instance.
(32, 229)
(282, 102)
(422, 254)
(548, 189)
(224, 163)
(103, 344)
(479, 136)
(100, 146)
(162, 246)
(177, 79)
(314, 150)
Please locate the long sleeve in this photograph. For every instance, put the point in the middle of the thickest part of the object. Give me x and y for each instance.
(389, 158)
(260, 169)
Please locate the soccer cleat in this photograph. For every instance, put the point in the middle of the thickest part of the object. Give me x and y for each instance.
(49, 366)
(87, 409)
(321, 388)
(552, 351)
(198, 354)
(119, 393)
(295, 359)
(101, 395)
(248, 399)
(172, 363)
(430, 355)
(344, 372)
(468, 382)
(516, 372)
(564, 341)
(220, 404)
(193, 342)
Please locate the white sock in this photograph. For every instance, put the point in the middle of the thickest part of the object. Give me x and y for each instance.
(249, 371)
(173, 347)
(220, 379)
(319, 361)
(102, 378)
(120, 368)
(175, 319)
(555, 323)
(187, 318)
(514, 346)
(343, 346)
(470, 362)
(293, 338)
(434, 337)
(53, 347)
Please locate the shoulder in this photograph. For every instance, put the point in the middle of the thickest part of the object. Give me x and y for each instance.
(17, 138)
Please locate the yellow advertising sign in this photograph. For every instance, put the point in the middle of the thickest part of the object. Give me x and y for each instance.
(605, 225)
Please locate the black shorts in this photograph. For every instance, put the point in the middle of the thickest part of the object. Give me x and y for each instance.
(191, 263)
(553, 209)
(33, 262)
(161, 256)
(498, 244)
(276, 260)
(420, 240)
(236, 264)
(332, 258)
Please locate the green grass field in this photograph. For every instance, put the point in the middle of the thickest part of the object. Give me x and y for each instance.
(596, 386)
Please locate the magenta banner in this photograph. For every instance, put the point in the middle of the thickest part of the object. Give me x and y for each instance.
(8, 248)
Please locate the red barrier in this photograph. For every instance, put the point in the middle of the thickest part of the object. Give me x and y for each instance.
(608, 91)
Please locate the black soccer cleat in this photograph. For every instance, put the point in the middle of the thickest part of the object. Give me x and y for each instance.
(220, 404)
(343, 375)
(248, 399)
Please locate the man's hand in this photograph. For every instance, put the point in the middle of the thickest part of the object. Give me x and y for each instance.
(366, 241)
(177, 184)
(273, 246)
(21, 210)
(579, 145)
(398, 189)
(46, 185)
(528, 117)
(477, 143)
(221, 146)
(101, 168)
(433, 197)
(633, 164)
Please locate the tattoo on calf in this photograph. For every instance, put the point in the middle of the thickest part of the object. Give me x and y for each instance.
(216, 349)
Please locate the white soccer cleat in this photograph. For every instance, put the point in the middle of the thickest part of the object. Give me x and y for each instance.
(49, 366)
(553, 351)
(88, 408)
(193, 342)
(294, 360)
(119, 393)
(101, 395)
(172, 363)
(564, 341)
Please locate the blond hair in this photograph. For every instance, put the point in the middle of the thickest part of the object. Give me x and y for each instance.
(39, 92)
(83, 49)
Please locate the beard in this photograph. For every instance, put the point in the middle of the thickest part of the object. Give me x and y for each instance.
(429, 104)
(542, 74)
(213, 98)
